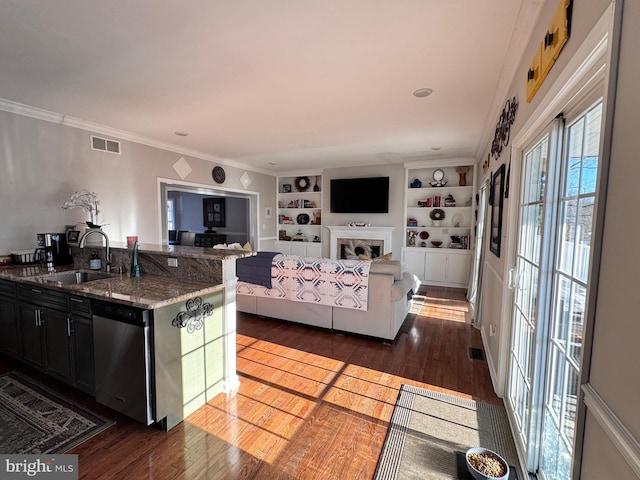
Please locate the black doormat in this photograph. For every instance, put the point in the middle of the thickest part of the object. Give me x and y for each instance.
(37, 420)
(476, 353)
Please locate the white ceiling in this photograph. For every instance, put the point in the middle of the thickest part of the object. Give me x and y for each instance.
(299, 83)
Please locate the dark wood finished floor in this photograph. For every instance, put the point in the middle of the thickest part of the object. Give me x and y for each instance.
(311, 405)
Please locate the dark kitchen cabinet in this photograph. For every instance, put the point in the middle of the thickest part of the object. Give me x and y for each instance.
(9, 340)
(31, 338)
(49, 330)
(82, 340)
(45, 331)
(58, 347)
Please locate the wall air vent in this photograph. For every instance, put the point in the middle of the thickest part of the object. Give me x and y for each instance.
(104, 145)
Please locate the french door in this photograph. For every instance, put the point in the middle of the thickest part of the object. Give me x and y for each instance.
(550, 281)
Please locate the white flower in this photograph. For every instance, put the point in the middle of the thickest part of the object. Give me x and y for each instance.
(87, 201)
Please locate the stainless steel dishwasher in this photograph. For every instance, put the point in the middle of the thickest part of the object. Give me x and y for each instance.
(124, 359)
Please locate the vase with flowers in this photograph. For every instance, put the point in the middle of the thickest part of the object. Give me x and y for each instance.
(88, 201)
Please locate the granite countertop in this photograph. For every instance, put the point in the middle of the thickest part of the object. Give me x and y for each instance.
(148, 291)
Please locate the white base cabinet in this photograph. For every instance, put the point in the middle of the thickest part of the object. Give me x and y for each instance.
(303, 249)
(439, 266)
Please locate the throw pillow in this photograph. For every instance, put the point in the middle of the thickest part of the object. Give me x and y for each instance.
(386, 256)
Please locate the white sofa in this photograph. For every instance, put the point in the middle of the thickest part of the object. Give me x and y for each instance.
(389, 300)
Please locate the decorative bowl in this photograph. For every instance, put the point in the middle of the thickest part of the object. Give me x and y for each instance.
(478, 475)
(436, 243)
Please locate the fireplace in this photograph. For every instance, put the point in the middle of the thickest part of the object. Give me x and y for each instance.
(351, 249)
(350, 242)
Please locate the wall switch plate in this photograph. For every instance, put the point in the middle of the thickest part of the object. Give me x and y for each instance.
(172, 262)
(492, 330)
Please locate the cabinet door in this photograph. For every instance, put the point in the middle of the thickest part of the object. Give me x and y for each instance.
(9, 340)
(57, 330)
(435, 266)
(283, 247)
(314, 250)
(414, 260)
(31, 335)
(458, 268)
(298, 249)
(82, 335)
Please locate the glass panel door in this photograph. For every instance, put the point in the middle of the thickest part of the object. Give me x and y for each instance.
(570, 281)
(520, 388)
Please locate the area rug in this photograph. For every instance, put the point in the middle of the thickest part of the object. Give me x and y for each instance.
(428, 428)
(36, 420)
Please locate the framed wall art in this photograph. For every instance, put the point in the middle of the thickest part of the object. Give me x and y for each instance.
(497, 201)
(213, 210)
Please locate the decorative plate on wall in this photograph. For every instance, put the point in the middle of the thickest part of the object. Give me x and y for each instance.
(218, 174)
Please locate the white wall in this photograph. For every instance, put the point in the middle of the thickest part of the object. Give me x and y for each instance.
(43, 163)
(395, 217)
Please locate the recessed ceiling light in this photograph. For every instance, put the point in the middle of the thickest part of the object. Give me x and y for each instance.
(423, 92)
(272, 163)
(182, 134)
(436, 148)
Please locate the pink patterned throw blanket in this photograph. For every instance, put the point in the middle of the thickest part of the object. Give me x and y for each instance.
(336, 283)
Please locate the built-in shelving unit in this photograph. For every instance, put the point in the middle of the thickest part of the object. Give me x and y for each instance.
(300, 215)
(439, 219)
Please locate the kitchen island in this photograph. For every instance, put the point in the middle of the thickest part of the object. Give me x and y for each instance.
(182, 318)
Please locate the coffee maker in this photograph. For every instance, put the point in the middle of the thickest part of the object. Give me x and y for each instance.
(55, 249)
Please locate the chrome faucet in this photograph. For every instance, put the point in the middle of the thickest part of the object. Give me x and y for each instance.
(107, 262)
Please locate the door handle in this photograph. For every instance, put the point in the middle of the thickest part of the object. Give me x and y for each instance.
(511, 278)
(69, 326)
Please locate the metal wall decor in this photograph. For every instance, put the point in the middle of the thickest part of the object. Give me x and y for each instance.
(503, 127)
(193, 318)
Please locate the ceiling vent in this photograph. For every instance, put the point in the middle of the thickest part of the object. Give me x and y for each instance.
(104, 145)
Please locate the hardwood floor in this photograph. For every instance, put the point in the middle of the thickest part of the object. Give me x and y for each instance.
(311, 404)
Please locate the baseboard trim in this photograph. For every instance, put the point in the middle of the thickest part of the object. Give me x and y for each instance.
(621, 437)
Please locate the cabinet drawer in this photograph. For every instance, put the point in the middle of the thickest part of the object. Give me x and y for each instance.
(7, 288)
(80, 306)
(43, 297)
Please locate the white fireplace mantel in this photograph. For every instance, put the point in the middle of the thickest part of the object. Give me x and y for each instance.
(361, 233)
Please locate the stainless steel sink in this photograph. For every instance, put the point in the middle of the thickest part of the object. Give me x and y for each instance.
(75, 277)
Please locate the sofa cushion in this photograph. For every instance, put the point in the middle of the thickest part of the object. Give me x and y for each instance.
(400, 288)
(390, 267)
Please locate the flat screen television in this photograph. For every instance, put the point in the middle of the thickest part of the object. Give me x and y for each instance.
(360, 195)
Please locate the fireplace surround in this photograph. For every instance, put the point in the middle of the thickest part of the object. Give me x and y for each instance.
(349, 242)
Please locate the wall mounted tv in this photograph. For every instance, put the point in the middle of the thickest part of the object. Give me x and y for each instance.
(360, 195)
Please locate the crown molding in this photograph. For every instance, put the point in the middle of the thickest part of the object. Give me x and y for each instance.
(74, 122)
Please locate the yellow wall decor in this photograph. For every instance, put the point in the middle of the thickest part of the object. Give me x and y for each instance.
(554, 39)
(534, 74)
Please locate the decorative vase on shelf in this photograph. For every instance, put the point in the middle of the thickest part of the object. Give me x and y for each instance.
(136, 271)
(462, 172)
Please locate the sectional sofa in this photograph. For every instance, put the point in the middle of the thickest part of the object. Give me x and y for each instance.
(390, 290)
